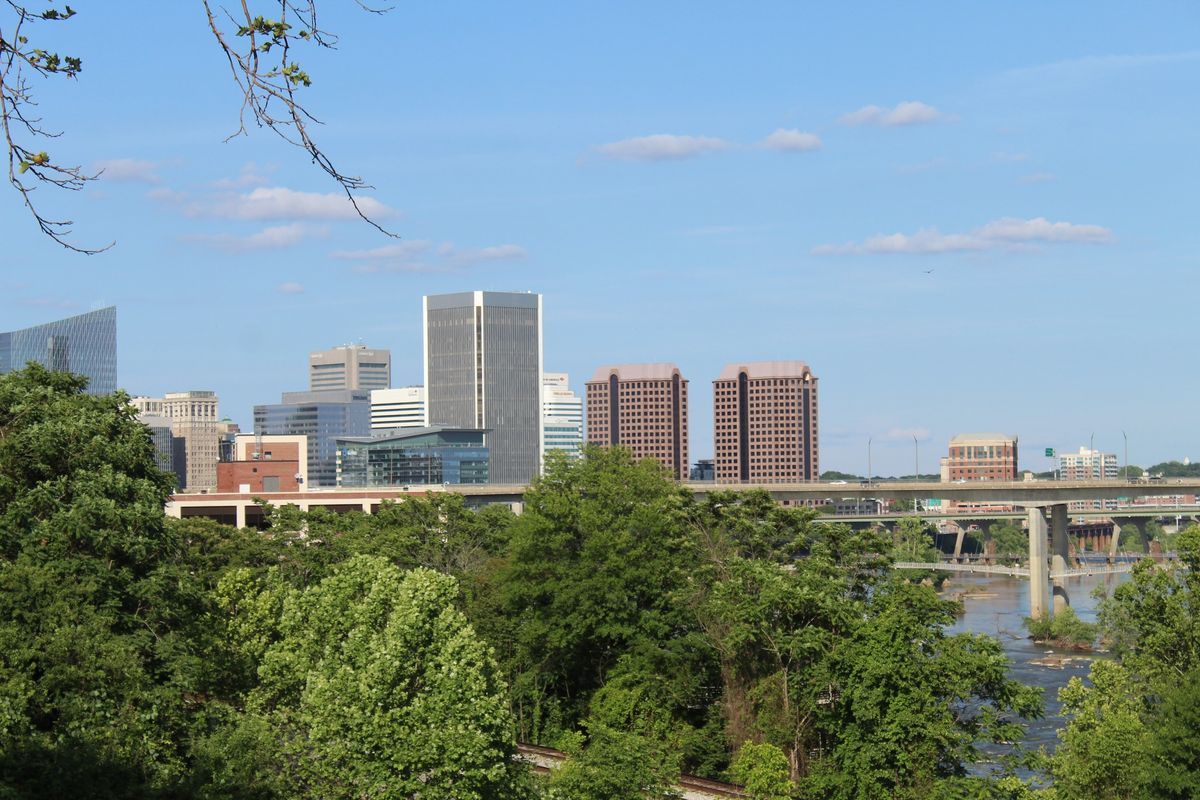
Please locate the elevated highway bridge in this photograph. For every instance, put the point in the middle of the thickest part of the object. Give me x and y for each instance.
(1045, 505)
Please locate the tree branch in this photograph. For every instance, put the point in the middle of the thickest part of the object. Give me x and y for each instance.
(28, 165)
(270, 85)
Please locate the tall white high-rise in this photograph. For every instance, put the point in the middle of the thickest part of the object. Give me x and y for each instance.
(483, 369)
(562, 415)
(398, 408)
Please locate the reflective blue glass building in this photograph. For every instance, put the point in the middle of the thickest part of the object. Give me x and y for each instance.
(85, 344)
(408, 456)
(322, 417)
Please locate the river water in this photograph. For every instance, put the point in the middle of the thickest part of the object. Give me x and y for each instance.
(997, 605)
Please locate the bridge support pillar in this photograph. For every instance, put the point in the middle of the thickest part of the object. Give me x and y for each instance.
(1113, 543)
(1060, 551)
(239, 515)
(958, 542)
(1038, 574)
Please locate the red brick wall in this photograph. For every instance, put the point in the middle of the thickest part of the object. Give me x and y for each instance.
(232, 474)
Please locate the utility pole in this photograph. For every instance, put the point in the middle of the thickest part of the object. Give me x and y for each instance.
(916, 460)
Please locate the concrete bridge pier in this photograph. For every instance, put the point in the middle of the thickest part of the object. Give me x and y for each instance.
(958, 540)
(1113, 543)
(1039, 575)
(1059, 554)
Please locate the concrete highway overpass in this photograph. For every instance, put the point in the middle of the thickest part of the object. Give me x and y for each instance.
(241, 509)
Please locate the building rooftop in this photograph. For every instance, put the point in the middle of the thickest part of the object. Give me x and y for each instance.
(663, 371)
(964, 438)
(765, 369)
(394, 434)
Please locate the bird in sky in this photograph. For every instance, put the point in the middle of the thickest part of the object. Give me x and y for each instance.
(928, 271)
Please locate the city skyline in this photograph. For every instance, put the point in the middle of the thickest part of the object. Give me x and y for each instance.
(952, 250)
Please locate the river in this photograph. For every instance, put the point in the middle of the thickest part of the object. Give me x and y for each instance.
(997, 606)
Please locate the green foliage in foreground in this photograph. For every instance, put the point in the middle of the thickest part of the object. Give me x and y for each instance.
(1135, 730)
(401, 654)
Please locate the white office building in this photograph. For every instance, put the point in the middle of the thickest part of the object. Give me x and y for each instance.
(1088, 465)
(562, 415)
(398, 408)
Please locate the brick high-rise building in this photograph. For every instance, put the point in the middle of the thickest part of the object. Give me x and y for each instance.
(642, 407)
(981, 457)
(765, 423)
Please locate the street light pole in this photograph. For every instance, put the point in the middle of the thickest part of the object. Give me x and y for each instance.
(868, 461)
(916, 460)
(1092, 456)
(1126, 438)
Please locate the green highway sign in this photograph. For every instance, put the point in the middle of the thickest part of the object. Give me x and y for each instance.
(1049, 452)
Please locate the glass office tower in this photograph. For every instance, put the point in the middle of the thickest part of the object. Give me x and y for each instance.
(322, 417)
(483, 369)
(85, 344)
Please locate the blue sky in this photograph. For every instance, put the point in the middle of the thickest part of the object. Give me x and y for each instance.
(688, 182)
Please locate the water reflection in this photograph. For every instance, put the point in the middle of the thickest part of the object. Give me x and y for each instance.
(997, 605)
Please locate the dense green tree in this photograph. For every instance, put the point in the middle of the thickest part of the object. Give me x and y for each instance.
(377, 686)
(1172, 765)
(1010, 539)
(909, 702)
(591, 591)
(913, 540)
(763, 771)
(612, 764)
(1102, 751)
(1153, 620)
(1132, 732)
(1175, 469)
(99, 617)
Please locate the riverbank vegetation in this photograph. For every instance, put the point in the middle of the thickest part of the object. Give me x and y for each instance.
(1063, 629)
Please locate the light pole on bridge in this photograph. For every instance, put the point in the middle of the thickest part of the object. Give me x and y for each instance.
(1092, 456)
(1126, 438)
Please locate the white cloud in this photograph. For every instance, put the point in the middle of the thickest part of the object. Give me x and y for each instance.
(398, 251)
(291, 287)
(251, 175)
(910, 112)
(1038, 177)
(423, 256)
(1010, 157)
(277, 202)
(127, 170)
(1005, 233)
(499, 252)
(1091, 67)
(1040, 229)
(273, 238)
(661, 147)
(790, 140)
